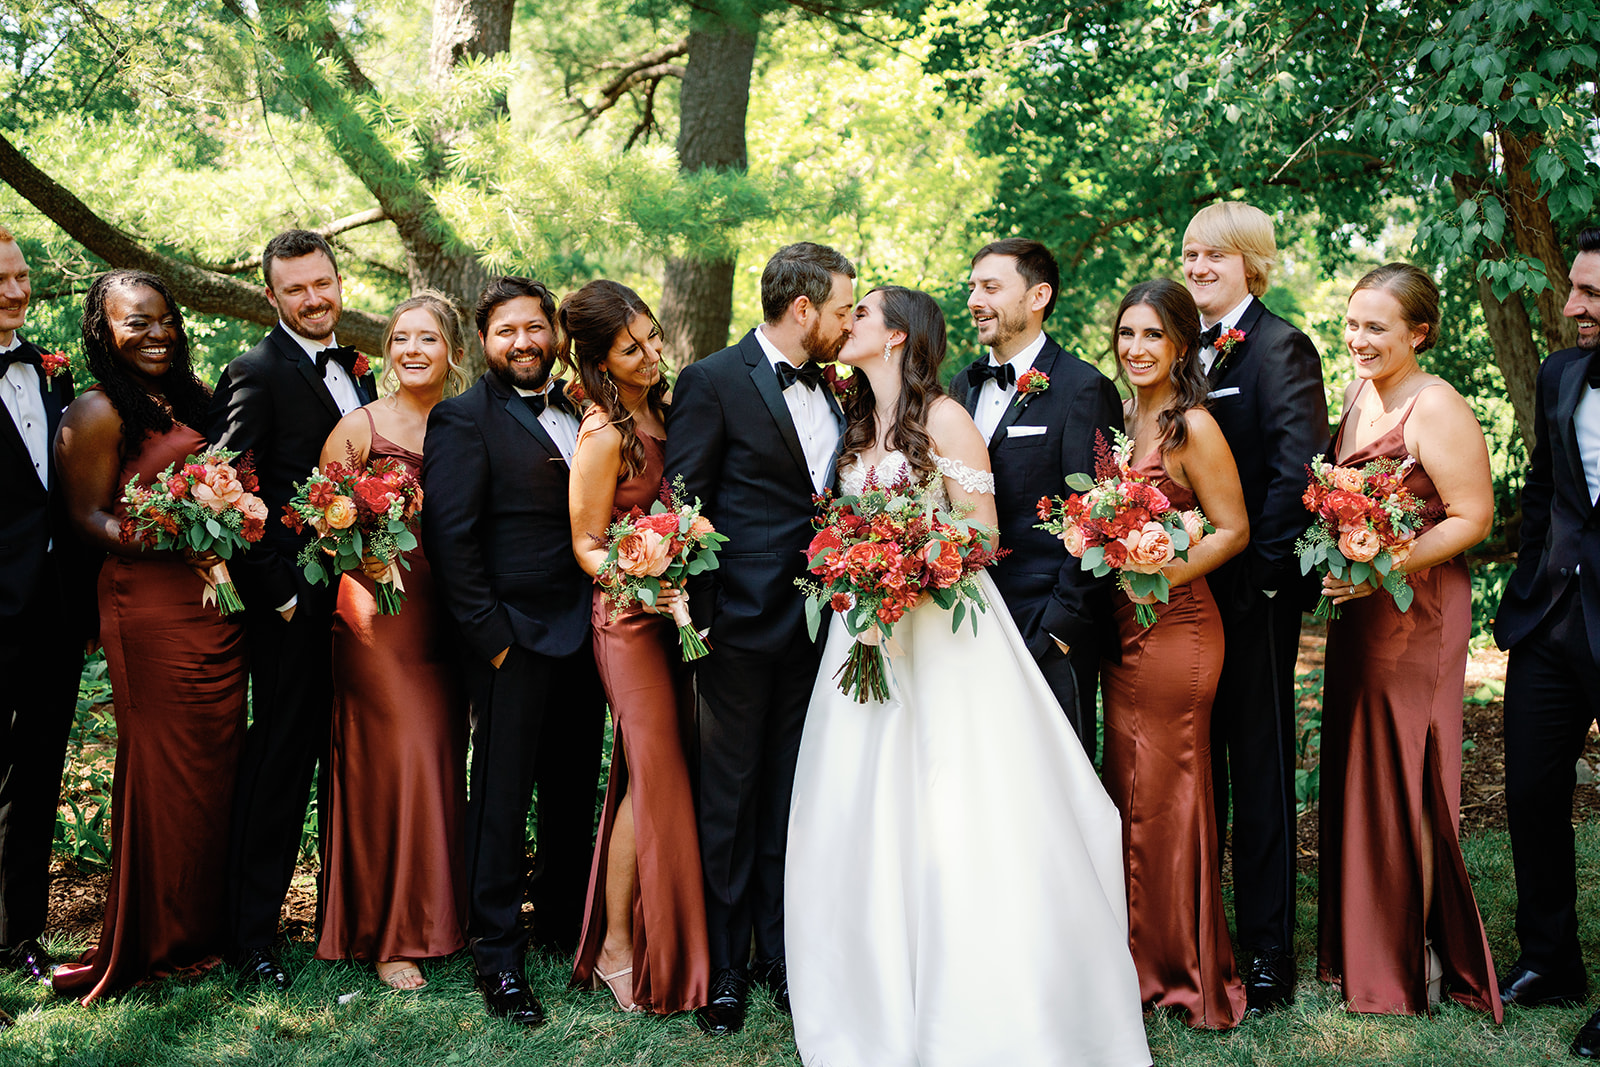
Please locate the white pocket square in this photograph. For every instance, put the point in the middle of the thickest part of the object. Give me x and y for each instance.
(1218, 393)
(1031, 431)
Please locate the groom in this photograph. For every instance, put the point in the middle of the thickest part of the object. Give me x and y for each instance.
(754, 433)
(1039, 408)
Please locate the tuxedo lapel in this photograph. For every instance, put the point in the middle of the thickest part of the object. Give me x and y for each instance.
(1573, 384)
(970, 399)
(1045, 363)
(766, 383)
(290, 349)
(1226, 361)
(518, 409)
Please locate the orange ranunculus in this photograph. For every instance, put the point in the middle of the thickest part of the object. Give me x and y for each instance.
(1072, 538)
(1401, 550)
(340, 514)
(1149, 548)
(1194, 526)
(700, 527)
(1358, 544)
(253, 507)
(643, 553)
(943, 560)
(1347, 478)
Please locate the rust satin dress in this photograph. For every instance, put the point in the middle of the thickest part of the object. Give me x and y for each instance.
(1157, 769)
(394, 886)
(1391, 747)
(652, 716)
(178, 677)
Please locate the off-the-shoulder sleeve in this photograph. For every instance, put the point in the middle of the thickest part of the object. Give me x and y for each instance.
(973, 481)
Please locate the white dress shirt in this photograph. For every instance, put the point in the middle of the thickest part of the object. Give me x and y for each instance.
(1208, 354)
(813, 419)
(993, 399)
(334, 377)
(19, 391)
(562, 428)
(1586, 424)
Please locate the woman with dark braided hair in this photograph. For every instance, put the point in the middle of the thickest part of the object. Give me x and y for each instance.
(177, 667)
(644, 930)
(953, 886)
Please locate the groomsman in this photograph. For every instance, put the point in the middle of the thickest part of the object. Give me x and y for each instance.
(754, 434)
(1266, 394)
(278, 402)
(1549, 619)
(497, 532)
(46, 613)
(1037, 437)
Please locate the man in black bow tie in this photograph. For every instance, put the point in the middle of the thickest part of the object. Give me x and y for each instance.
(278, 402)
(1549, 619)
(46, 612)
(498, 536)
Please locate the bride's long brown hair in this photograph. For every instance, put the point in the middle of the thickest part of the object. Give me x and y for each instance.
(918, 315)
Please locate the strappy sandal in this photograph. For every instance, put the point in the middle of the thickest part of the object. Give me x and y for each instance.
(612, 982)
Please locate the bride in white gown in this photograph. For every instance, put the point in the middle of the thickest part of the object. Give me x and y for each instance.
(954, 891)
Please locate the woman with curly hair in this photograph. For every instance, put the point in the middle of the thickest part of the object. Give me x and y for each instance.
(177, 667)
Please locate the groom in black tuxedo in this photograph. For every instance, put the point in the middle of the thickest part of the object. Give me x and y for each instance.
(46, 613)
(1549, 619)
(1036, 439)
(754, 433)
(1266, 394)
(497, 532)
(278, 402)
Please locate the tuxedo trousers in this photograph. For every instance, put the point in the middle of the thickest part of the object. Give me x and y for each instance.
(1552, 696)
(291, 701)
(537, 727)
(752, 708)
(1252, 765)
(38, 697)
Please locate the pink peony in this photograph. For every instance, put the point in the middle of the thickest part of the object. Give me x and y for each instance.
(1149, 548)
(220, 490)
(643, 553)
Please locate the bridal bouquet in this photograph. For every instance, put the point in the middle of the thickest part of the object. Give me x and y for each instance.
(875, 554)
(356, 513)
(1366, 523)
(1118, 521)
(669, 544)
(205, 505)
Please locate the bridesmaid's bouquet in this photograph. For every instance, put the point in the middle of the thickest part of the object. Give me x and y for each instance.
(875, 554)
(671, 543)
(1366, 524)
(205, 505)
(1118, 521)
(358, 513)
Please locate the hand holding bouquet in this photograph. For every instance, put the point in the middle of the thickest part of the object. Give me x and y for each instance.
(876, 554)
(1119, 521)
(204, 507)
(365, 519)
(1366, 524)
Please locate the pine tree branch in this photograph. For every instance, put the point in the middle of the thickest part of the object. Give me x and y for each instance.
(332, 229)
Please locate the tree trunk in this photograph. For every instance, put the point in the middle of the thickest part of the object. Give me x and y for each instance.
(1535, 234)
(464, 28)
(697, 296)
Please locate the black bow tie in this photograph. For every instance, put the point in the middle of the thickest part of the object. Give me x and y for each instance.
(1208, 337)
(554, 397)
(343, 355)
(1003, 376)
(807, 374)
(20, 354)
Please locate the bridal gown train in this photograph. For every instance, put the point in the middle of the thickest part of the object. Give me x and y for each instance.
(954, 893)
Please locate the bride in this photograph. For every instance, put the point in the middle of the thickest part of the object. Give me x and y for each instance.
(954, 888)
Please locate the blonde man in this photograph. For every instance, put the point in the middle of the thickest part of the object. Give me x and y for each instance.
(1266, 393)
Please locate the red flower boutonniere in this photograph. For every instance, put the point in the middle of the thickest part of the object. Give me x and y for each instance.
(53, 363)
(576, 394)
(1034, 381)
(838, 384)
(362, 368)
(1227, 340)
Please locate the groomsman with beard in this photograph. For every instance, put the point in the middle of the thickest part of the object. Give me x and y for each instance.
(754, 433)
(1040, 429)
(46, 613)
(497, 532)
(278, 402)
(1549, 619)
(1266, 394)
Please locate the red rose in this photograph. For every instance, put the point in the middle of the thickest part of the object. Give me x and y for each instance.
(374, 495)
(826, 539)
(1344, 507)
(943, 562)
(664, 523)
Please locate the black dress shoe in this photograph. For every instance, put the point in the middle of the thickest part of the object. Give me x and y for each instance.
(725, 1012)
(262, 967)
(1529, 989)
(774, 974)
(506, 996)
(1268, 981)
(1587, 1043)
(30, 958)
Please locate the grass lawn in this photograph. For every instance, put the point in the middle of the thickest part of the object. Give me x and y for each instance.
(208, 1021)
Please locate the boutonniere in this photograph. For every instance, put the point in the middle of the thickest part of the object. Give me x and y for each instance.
(53, 363)
(575, 393)
(1226, 340)
(838, 384)
(1034, 381)
(361, 368)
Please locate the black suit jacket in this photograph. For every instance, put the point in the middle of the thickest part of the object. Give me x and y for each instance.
(34, 576)
(496, 526)
(1267, 396)
(271, 402)
(1560, 526)
(1046, 591)
(731, 438)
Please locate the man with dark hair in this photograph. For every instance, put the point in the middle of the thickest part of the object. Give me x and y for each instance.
(46, 612)
(498, 536)
(1036, 439)
(754, 434)
(1549, 619)
(278, 402)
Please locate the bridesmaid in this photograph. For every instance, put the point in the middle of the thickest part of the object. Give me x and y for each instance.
(644, 931)
(1158, 698)
(1397, 917)
(177, 667)
(394, 890)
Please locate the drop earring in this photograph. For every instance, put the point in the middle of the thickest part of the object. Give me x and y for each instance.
(887, 348)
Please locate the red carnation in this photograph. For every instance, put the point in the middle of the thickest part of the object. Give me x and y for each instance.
(665, 523)
(1116, 553)
(252, 530)
(841, 602)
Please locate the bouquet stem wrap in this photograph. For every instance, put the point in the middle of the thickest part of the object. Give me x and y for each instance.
(391, 589)
(689, 639)
(221, 591)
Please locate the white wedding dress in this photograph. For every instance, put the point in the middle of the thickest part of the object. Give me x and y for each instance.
(954, 893)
